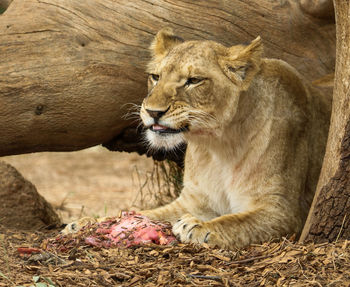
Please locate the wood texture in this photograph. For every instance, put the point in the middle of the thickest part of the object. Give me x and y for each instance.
(68, 68)
(318, 8)
(329, 216)
(4, 4)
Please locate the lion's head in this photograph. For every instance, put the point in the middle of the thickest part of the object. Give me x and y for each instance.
(194, 87)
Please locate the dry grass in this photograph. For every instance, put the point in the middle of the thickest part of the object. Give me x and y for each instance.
(158, 187)
(283, 263)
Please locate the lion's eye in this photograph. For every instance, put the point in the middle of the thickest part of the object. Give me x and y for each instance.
(154, 77)
(193, 81)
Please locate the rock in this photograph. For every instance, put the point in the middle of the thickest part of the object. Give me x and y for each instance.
(21, 206)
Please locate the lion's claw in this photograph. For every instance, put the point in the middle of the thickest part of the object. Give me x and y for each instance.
(189, 229)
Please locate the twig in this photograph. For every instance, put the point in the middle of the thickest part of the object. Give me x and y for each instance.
(81, 211)
(61, 260)
(321, 244)
(251, 259)
(2, 239)
(205, 277)
(315, 282)
(302, 269)
(61, 206)
(6, 278)
(341, 229)
(333, 261)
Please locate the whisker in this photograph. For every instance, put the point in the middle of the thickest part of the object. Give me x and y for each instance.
(139, 125)
(202, 118)
(132, 105)
(133, 111)
(130, 116)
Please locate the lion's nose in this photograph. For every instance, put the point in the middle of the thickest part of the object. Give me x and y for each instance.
(156, 114)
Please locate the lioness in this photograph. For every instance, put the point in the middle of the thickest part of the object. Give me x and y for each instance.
(256, 135)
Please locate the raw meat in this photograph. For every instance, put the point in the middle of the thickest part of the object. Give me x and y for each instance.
(129, 229)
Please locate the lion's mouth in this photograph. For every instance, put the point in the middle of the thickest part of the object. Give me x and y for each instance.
(160, 129)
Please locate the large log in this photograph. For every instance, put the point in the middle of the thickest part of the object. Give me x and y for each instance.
(67, 68)
(329, 217)
(4, 4)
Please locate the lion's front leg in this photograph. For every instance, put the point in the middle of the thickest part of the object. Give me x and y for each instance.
(187, 203)
(235, 230)
(171, 212)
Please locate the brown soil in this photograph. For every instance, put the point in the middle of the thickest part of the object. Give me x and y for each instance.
(92, 182)
(101, 181)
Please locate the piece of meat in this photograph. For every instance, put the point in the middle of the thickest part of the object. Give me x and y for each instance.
(133, 229)
(129, 229)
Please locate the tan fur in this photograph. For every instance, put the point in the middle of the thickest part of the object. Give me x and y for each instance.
(256, 137)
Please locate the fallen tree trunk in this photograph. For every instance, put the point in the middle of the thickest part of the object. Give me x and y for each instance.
(329, 217)
(68, 68)
(4, 4)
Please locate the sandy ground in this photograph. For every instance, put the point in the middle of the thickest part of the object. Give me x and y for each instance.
(91, 182)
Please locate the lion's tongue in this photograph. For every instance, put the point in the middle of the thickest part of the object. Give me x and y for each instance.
(157, 127)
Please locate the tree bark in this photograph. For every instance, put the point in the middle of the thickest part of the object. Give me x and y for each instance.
(329, 216)
(4, 4)
(318, 8)
(68, 68)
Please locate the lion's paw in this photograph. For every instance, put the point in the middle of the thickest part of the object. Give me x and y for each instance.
(75, 226)
(189, 229)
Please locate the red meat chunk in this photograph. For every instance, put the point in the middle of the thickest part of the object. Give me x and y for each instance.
(131, 229)
(127, 230)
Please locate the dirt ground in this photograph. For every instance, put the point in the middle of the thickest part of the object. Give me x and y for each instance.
(282, 263)
(93, 182)
(96, 182)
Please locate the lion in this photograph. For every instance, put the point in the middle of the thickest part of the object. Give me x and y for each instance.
(255, 134)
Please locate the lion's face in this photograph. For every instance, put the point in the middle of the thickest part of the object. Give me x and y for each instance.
(193, 89)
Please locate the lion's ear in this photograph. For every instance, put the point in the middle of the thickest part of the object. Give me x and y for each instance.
(164, 41)
(241, 63)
